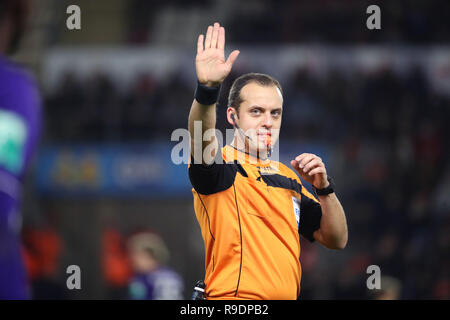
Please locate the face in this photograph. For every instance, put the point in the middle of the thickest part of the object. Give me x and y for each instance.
(259, 115)
(142, 261)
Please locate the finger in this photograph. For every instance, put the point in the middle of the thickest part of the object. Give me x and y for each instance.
(312, 164)
(294, 164)
(232, 58)
(317, 170)
(313, 167)
(307, 158)
(221, 40)
(200, 44)
(215, 35)
(300, 157)
(303, 155)
(208, 37)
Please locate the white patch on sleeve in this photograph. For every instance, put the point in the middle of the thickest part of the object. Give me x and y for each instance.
(13, 133)
(296, 204)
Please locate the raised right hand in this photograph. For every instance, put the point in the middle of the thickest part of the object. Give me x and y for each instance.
(210, 62)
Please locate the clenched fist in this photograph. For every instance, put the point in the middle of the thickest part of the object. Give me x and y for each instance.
(311, 169)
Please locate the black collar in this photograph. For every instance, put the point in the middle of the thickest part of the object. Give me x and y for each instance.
(251, 155)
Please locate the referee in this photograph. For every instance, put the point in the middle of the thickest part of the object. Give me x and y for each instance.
(252, 210)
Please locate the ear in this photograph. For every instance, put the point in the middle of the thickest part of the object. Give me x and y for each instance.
(230, 111)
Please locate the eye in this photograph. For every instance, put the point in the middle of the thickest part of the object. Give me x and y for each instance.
(276, 113)
(255, 112)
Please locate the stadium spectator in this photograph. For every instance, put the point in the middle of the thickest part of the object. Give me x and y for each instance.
(116, 264)
(152, 279)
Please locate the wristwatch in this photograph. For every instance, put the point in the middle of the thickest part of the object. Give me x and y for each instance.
(327, 190)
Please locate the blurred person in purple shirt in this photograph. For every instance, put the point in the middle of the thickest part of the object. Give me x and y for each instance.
(152, 280)
(20, 122)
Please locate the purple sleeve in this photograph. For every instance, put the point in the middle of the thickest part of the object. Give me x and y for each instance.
(19, 96)
(20, 126)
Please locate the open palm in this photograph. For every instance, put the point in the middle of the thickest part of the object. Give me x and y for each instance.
(210, 63)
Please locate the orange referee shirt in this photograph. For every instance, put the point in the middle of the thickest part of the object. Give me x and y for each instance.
(251, 215)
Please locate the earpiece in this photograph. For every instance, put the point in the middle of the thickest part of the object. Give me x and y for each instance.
(239, 129)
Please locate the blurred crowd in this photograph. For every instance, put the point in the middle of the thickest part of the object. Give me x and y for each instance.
(338, 22)
(95, 109)
(389, 155)
(133, 266)
(391, 164)
(288, 21)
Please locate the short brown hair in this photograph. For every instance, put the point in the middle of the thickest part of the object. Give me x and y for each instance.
(234, 97)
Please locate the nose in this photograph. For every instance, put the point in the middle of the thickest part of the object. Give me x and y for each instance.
(268, 121)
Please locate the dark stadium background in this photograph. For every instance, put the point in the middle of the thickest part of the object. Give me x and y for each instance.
(374, 104)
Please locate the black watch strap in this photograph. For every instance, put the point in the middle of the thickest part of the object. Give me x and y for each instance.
(327, 190)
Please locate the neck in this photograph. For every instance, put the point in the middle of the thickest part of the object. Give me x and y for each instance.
(243, 145)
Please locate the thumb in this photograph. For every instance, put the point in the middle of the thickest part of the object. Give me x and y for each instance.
(294, 164)
(232, 57)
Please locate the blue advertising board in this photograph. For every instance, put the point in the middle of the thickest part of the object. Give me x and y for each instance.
(124, 169)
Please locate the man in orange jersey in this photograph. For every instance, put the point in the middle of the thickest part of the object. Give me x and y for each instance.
(251, 209)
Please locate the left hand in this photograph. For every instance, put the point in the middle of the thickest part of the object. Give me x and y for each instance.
(311, 169)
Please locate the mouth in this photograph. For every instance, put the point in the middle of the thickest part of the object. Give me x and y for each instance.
(266, 138)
